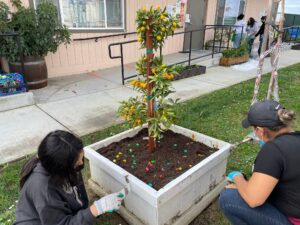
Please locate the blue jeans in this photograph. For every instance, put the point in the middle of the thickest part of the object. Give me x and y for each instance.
(237, 40)
(261, 40)
(239, 213)
(250, 45)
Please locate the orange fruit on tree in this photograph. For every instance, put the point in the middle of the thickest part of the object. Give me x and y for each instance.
(133, 82)
(163, 29)
(158, 37)
(143, 84)
(162, 17)
(142, 29)
(138, 121)
(140, 39)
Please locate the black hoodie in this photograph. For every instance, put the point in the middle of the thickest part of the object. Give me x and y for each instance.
(42, 202)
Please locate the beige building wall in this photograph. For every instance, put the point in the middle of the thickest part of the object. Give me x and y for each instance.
(256, 9)
(87, 56)
(8, 2)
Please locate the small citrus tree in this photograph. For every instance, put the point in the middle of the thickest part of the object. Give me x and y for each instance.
(154, 80)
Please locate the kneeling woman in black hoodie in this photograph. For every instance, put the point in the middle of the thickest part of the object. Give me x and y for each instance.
(52, 189)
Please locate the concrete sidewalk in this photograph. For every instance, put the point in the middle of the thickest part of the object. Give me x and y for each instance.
(87, 103)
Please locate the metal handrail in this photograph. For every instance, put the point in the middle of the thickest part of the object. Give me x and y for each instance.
(130, 33)
(104, 36)
(205, 28)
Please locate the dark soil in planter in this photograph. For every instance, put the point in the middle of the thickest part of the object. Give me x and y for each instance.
(175, 155)
(190, 71)
(296, 47)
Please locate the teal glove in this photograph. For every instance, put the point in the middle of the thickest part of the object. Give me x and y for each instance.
(231, 175)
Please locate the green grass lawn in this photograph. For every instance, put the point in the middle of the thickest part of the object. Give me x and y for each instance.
(218, 114)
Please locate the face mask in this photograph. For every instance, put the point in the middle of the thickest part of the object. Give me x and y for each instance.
(261, 142)
(256, 139)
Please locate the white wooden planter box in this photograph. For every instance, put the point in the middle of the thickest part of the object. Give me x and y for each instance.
(181, 200)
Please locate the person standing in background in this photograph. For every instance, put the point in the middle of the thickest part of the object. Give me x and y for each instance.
(261, 32)
(251, 32)
(240, 29)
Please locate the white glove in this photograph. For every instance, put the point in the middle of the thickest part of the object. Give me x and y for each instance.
(110, 203)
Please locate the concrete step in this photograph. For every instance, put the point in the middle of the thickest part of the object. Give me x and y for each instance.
(16, 101)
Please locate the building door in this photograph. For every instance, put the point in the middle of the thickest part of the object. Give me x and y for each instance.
(196, 11)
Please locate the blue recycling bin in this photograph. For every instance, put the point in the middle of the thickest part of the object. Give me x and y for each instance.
(11, 83)
(294, 32)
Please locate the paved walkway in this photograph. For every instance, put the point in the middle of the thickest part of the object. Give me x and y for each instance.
(87, 103)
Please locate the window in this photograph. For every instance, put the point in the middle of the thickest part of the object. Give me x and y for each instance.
(91, 14)
(228, 10)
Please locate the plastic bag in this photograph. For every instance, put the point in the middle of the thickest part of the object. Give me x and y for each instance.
(11, 83)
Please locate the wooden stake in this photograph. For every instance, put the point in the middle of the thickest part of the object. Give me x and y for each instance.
(275, 53)
(273, 85)
(267, 26)
(150, 55)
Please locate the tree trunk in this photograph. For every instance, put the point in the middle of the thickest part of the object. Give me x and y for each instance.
(150, 55)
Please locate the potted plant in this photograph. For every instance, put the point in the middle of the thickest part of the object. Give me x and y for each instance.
(235, 55)
(185, 71)
(173, 172)
(296, 46)
(4, 11)
(39, 31)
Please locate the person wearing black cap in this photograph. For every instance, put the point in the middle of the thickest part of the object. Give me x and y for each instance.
(272, 194)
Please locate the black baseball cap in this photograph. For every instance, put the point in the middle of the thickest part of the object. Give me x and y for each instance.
(263, 114)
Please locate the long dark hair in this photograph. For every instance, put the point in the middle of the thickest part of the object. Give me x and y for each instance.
(57, 153)
(251, 22)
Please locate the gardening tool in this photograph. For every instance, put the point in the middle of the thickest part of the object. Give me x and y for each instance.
(250, 137)
(246, 139)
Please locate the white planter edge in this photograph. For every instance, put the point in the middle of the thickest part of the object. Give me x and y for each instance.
(158, 199)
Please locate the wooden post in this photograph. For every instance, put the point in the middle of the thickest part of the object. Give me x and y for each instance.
(275, 52)
(273, 85)
(281, 22)
(150, 100)
(267, 26)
